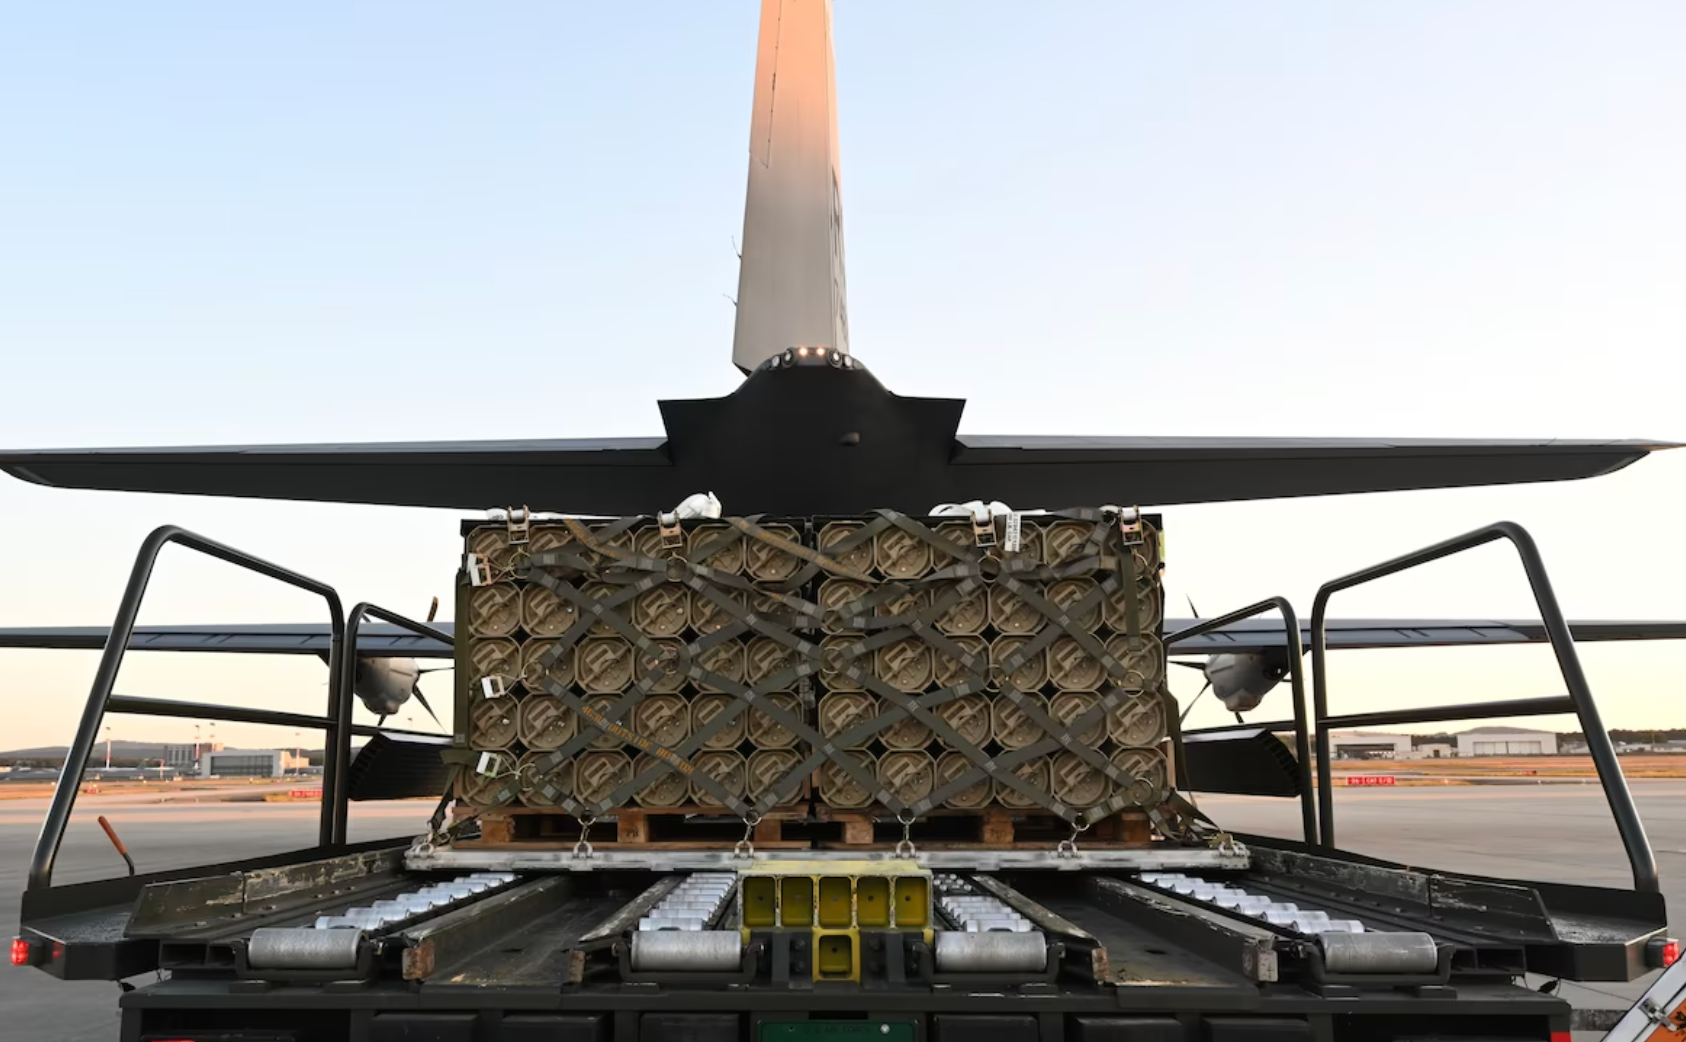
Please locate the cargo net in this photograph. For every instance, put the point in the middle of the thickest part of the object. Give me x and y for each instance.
(882, 664)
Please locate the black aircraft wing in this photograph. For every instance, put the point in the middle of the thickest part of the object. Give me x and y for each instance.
(1359, 634)
(381, 640)
(806, 441)
(374, 639)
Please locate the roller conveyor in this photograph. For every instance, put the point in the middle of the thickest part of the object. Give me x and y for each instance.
(694, 941)
(1346, 946)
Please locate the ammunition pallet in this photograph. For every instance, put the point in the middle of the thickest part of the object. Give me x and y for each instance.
(881, 665)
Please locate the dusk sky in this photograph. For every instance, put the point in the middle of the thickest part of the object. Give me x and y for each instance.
(264, 222)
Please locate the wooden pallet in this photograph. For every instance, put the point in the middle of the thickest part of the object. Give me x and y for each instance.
(672, 827)
(796, 828)
(1000, 827)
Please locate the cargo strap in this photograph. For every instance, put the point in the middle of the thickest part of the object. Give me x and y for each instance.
(1177, 818)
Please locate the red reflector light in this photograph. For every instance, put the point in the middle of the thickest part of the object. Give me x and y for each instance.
(20, 952)
(1671, 953)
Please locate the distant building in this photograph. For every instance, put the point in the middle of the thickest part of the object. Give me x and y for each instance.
(30, 774)
(186, 754)
(1506, 741)
(1369, 745)
(1434, 751)
(99, 772)
(249, 763)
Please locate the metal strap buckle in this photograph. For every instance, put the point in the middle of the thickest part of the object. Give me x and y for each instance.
(983, 530)
(1130, 526)
(519, 520)
(479, 569)
(582, 849)
(673, 536)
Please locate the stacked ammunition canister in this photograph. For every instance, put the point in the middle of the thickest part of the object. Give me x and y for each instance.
(944, 668)
(595, 674)
(879, 663)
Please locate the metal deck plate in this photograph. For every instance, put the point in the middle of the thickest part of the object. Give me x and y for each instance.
(445, 858)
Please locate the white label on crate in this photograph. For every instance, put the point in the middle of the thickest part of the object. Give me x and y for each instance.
(1015, 522)
(488, 764)
(474, 576)
(487, 689)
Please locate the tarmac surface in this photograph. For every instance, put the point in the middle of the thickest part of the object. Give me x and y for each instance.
(1556, 832)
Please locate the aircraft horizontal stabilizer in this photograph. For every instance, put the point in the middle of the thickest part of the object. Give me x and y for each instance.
(762, 474)
(813, 433)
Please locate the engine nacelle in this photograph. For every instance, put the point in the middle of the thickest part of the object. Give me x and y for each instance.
(1242, 680)
(385, 684)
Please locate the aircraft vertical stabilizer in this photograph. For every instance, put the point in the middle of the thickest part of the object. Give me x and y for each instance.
(790, 282)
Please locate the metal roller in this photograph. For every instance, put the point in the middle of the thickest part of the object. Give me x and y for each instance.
(294, 948)
(1379, 952)
(991, 952)
(699, 951)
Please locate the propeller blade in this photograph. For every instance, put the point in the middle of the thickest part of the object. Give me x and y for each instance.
(379, 720)
(1190, 707)
(423, 700)
(1188, 665)
(1192, 610)
(434, 610)
(436, 669)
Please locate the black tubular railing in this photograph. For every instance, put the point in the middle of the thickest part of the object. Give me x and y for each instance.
(1302, 747)
(238, 715)
(1578, 701)
(1556, 705)
(338, 755)
(100, 698)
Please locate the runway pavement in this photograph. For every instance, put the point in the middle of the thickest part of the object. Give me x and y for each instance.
(1561, 833)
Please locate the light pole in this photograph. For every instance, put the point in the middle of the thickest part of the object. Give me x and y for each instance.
(108, 747)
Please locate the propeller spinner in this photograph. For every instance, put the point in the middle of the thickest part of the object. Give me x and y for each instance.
(1241, 680)
(386, 684)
